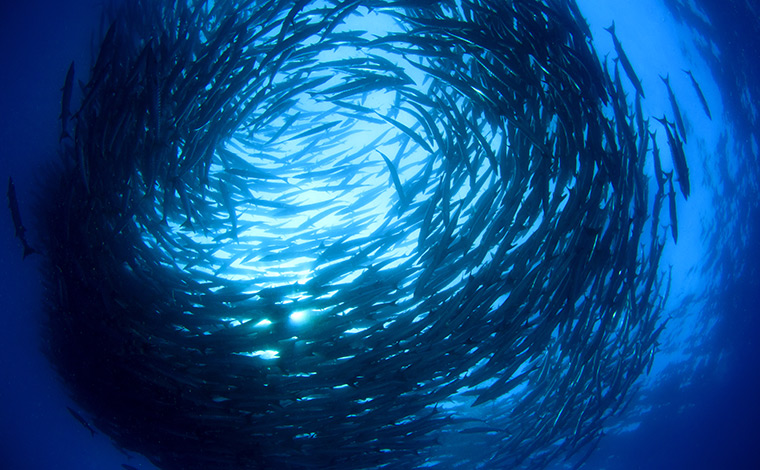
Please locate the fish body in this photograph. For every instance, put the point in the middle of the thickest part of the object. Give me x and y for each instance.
(396, 181)
(673, 212)
(20, 230)
(700, 95)
(659, 175)
(66, 101)
(81, 420)
(676, 108)
(679, 157)
(625, 62)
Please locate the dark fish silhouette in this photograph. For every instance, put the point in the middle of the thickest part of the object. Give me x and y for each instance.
(624, 61)
(66, 101)
(81, 420)
(396, 181)
(678, 156)
(700, 95)
(231, 285)
(673, 212)
(676, 108)
(16, 216)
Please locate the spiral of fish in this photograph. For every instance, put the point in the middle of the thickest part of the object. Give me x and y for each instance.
(352, 234)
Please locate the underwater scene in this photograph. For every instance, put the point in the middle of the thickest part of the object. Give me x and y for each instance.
(379, 234)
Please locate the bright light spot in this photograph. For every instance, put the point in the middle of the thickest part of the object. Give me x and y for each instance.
(298, 317)
(262, 324)
(353, 331)
(266, 354)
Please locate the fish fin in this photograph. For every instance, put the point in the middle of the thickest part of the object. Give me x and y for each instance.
(28, 250)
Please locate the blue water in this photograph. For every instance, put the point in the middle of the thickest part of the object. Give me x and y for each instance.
(698, 409)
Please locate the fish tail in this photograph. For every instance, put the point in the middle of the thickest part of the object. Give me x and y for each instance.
(28, 250)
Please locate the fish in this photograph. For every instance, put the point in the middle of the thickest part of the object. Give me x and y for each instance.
(396, 181)
(678, 156)
(18, 226)
(674, 106)
(408, 131)
(81, 420)
(658, 173)
(673, 211)
(224, 219)
(66, 101)
(629, 71)
(682, 167)
(700, 95)
(229, 206)
(153, 91)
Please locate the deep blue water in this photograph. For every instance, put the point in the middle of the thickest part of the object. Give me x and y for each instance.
(701, 401)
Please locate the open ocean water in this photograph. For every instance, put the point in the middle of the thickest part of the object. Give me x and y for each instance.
(698, 408)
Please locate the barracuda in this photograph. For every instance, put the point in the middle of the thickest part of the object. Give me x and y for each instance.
(237, 281)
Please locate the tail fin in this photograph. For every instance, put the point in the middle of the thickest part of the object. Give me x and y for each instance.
(28, 250)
